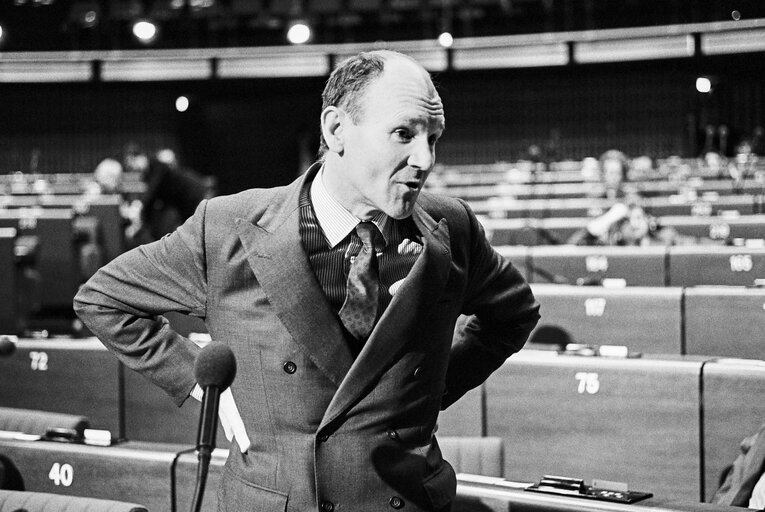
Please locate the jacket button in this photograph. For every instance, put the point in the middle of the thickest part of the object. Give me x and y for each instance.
(393, 434)
(396, 502)
(327, 506)
(289, 367)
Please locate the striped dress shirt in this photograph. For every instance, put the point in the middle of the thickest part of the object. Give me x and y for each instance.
(327, 231)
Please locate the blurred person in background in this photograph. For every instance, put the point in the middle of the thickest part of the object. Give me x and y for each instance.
(627, 223)
(107, 178)
(172, 195)
(614, 167)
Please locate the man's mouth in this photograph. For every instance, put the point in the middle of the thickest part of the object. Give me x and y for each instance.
(412, 185)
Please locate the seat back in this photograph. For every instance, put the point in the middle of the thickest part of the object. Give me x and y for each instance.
(475, 455)
(38, 423)
(44, 502)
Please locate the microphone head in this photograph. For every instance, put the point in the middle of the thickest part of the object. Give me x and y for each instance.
(215, 366)
(7, 346)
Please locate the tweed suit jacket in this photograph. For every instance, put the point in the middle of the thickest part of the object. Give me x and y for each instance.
(328, 431)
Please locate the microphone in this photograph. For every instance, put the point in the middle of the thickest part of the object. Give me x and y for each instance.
(214, 369)
(7, 346)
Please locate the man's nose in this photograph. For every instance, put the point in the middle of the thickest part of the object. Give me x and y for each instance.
(422, 155)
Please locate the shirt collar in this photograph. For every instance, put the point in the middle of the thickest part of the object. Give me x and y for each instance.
(334, 219)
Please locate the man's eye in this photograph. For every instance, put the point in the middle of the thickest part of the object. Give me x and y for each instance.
(404, 134)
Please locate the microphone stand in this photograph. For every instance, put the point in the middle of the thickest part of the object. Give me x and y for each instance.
(207, 423)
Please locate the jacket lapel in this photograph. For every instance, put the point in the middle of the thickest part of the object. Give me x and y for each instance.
(276, 255)
(417, 294)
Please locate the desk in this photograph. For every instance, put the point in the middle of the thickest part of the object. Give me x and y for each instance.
(715, 265)
(627, 420)
(67, 376)
(497, 495)
(638, 266)
(132, 471)
(725, 321)
(645, 319)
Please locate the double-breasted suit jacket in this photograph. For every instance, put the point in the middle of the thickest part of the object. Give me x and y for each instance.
(328, 431)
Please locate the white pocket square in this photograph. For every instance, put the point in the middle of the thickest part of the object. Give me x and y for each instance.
(395, 286)
(408, 246)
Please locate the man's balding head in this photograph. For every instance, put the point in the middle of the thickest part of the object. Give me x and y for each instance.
(348, 82)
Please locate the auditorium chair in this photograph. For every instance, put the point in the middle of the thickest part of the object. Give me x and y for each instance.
(474, 455)
(23, 501)
(41, 423)
(733, 408)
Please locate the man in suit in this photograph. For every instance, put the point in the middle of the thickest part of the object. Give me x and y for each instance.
(332, 409)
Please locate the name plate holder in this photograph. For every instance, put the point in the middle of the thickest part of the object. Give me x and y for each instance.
(600, 490)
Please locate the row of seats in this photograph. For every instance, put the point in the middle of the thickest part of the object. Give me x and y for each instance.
(566, 171)
(666, 424)
(663, 424)
(49, 247)
(573, 190)
(690, 204)
(640, 266)
(36, 184)
(161, 477)
(553, 231)
(705, 321)
(80, 376)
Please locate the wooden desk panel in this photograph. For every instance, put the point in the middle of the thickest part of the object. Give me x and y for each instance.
(105, 208)
(725, 322)
(645, 319)
(67, 376)
(638, 266)
(56, 259)
(465, 417)
(134, 472)
(715, 265)
(626, 420)
(734, 408)
(718, 227)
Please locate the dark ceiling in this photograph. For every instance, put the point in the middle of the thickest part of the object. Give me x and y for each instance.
(44, 25)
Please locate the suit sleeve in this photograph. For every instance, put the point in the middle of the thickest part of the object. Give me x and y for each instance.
(123, 302)
(499, 313)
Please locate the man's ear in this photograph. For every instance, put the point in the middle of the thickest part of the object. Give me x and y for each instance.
(332, 122)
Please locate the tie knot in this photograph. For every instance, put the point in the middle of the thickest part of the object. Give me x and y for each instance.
(367, 232)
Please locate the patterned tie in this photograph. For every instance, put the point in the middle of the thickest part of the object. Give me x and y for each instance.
(359, 310)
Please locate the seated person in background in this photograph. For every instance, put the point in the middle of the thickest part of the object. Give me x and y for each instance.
(107, 178)
(629, 224)
(172, 195)
(614, 168)
(743, 482)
